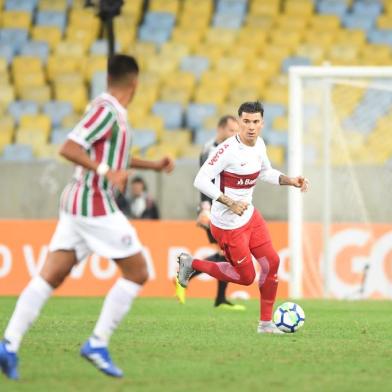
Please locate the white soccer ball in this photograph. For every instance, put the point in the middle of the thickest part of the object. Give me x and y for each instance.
(289, 317)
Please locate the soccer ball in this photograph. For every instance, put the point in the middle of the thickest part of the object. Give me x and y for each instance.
(289, 317)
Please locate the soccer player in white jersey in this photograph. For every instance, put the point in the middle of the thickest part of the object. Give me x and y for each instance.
(90, 221)
(237, 226)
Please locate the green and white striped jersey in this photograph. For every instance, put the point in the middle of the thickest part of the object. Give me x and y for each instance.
(105, 134)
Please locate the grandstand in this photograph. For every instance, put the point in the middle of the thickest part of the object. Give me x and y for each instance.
(199, 60)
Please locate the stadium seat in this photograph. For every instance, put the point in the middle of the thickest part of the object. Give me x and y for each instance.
(6, 52)
(19, 108)
(358, 21)
(38, 94)
(35, 49)
(195, 114)
(20, 5)
(332, 7)
(57, 110)
(70, 48)
(50, 34)
(35, 122)
(202, 136)
(143, 138)
(59, 135)
(383, 37)
(98, 84)
(53, 5)
(13, 37)
(172, 113)
(17, 152)
(16, 20)
(74, 93)
(51, 18)
(5, 138)
(7, 95)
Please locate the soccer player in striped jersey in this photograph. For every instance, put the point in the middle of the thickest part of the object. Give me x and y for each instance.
(227, 127)
(238, 227)
(90, 221)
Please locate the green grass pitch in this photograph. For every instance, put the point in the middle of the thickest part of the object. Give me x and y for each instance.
(163, 346)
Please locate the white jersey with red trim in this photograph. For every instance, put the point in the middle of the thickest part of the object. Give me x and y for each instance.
(235, 168)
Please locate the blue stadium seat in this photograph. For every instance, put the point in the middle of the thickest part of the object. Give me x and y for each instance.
(171, 112)
(197, 112)
(36, 48)
(143, 138)
(7, 52)
(380, 37)
(271, 111)
(15, 38)
(369, 9)
(163, 20)
(294, 60)
(21, 5)
(233, 7)
(98, 84)
(57, 110)
(357, 21)
(202, 136)
(51, 18)
(19, 108)
(17, 152)
(59, 135)
(332, 7)
(194, 64)
(276, 138)
(156, 34)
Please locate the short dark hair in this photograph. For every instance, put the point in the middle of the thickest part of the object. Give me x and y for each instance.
(251, 107)
(139, 180)
(120, 66)
(225, 119)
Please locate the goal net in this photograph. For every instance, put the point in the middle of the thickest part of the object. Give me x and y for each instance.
(340, 137)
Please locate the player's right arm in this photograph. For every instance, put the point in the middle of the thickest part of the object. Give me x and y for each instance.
(95, 125)
(211, 168)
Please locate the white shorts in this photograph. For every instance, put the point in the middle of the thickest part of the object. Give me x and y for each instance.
(110, 236)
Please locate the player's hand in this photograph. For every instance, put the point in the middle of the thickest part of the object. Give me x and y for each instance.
(239, 207)
(118, 178)
(301, 182)
(203, 219)
(165, 164)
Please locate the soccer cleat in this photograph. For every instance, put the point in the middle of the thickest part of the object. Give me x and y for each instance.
(8, 362)
(229, 306)
(180, 292)
(100, 358)
(269, 328)
(185, 269)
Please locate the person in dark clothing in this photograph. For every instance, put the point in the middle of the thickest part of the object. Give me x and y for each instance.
(227, 126)
(140, 205)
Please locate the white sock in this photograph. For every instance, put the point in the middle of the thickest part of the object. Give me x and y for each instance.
(265, 322)
(117, 304)
(26, 311)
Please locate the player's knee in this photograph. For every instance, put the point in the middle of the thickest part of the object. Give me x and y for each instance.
(249, 277)
(274, 261)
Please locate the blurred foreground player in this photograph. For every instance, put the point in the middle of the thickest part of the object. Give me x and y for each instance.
(90, 221)
(227, 127)
(237, 226)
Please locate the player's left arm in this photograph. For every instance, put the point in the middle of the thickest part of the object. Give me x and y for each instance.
(298, 182)
(165, 164)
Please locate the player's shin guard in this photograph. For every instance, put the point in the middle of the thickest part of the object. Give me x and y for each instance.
(27, 309)
(116, 305)
(268, 284)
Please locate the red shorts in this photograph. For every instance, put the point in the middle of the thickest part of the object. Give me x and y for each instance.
(239, 243)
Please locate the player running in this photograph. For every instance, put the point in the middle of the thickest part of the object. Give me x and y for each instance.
(237, 226)
(90, 221)
(227, 126)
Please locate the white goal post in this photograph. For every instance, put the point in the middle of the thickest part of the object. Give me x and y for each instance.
(332, 95)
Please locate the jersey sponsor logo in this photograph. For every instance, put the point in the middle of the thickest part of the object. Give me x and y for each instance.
(218, 154)
(237, 181)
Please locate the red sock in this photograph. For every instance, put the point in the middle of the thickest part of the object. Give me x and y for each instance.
(243, 274)
(268, 284)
